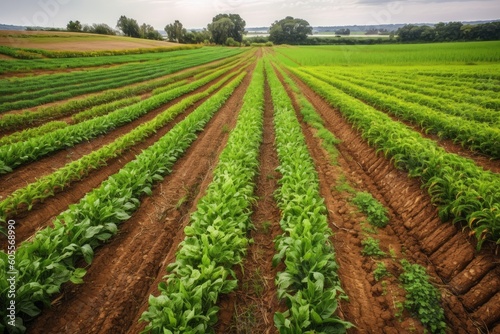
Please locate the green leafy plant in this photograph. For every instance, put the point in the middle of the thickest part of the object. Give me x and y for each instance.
(371, 247)
(380, 271)
(216, 238)
(375, 212)
(310, 284)
(50, 259)
(462, 191)
(422, 298)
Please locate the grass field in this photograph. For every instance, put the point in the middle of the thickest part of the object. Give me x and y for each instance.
(250, 190)
(398, 54)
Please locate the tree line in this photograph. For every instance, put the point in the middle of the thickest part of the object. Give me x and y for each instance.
(229, 29)
(450, 32)
(225, 29)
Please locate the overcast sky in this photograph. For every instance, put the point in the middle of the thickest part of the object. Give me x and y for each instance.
(256, 13)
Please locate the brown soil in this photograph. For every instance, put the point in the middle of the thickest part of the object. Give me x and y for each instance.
(46, 211)
(65, 41)
(120, 279)
(414, 230)
(250, 308)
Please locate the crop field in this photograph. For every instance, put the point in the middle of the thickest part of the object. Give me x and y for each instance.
(251, 190)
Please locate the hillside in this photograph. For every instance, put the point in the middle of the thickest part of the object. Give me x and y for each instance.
(71, 41)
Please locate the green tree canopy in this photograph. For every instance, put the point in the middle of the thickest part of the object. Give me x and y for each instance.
(101, 28)
(175, 32)
(149, 32)
(446, 32)
(74, 26)
(129, 27)
(289, 31)
(224, 26)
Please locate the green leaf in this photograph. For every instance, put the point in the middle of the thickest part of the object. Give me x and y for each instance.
(88, 253)
(77, 275)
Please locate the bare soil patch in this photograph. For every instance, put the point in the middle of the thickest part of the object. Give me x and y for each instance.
(66, 41)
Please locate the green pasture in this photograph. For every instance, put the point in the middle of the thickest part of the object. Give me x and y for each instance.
(463, 53)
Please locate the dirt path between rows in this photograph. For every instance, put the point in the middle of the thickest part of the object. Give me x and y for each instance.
(128, 269)
(251, 307)
(446, 252)
(372, 305)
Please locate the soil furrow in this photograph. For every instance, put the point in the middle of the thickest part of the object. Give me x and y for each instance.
(136, 258)
(371, 307)
(388, 181)
(251, 307)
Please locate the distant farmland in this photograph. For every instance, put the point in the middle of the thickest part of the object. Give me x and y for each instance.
(189, 189)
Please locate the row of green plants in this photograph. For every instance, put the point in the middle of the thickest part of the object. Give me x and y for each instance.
(425, 305)
(216, 238)
(445, 88)
(311, 117)
(34, 132)
(473, 135)
(19, 87)
(20, 66)
(18, 153)
(62, 92)
(19, 52)
(17, 120)
(480, 86)
(310, 284)
(460, 189)
(106, 108)
(44, 187)
(99, 110)
(428, 98)
(466, 73)
(51, 258)
(13, 85)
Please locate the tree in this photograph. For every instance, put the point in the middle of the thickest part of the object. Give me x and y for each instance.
(175, 32)
(343, 31)
(221, 30)
(450, 31)
(74, 26)
(129, 27)
(147, 31)
(290, 31)
(413, 33)
(224, 26)
(102, 28)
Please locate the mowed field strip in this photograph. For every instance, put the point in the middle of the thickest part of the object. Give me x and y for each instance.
(262, 189)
